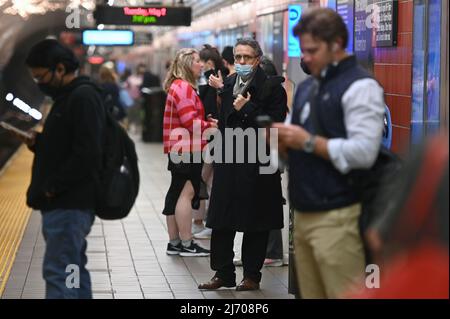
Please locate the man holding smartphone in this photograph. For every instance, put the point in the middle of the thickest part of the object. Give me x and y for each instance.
(66, 164)
(335, 127)
(242, 199)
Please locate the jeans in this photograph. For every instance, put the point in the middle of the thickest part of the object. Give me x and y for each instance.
(64, 269)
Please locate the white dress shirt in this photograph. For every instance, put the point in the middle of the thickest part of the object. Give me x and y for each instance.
(363, 107)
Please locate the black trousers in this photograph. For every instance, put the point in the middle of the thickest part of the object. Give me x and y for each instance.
(254, 245)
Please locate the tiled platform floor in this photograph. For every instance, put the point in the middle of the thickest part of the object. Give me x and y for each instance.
(127, 258)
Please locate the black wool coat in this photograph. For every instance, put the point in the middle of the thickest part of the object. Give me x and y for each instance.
(242, 199)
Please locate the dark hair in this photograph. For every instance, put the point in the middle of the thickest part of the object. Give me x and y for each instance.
(267, 65)
(252, 43)
(323, 24)
(227, 54)
(209, 52)
(141, 66)
(48, 53)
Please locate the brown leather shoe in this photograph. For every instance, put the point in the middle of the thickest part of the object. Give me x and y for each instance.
(216, 283)
(247, 284)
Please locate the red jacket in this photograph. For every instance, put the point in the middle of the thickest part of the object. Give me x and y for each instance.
(183, 113)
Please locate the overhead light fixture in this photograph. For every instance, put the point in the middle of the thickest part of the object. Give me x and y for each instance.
(24, 107)
(26, 8)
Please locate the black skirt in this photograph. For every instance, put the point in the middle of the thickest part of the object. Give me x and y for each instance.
(181, 173)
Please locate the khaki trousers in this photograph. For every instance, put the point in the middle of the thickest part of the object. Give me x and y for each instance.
(329, 251)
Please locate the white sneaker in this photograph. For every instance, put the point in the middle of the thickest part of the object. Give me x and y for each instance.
(197, 228)
(204, 234)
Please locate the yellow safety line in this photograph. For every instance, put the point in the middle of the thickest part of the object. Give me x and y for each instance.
(14, 213)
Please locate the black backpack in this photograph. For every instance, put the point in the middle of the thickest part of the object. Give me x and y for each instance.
(119, 177)
(369, 183)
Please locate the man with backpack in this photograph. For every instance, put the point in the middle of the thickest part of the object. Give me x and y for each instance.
(66, 167)
(334, 130)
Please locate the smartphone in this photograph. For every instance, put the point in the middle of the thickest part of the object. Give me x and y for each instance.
(15, 130)
(264, 121)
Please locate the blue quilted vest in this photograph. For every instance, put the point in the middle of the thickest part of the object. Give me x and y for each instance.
(314, 183)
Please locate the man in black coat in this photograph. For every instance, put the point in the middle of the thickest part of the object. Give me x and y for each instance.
(67, 159)
(242, 198)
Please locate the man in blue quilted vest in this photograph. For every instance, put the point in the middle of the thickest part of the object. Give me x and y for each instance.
(335, 128)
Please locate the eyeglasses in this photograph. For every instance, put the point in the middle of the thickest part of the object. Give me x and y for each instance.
(246, 58)
(38, 79)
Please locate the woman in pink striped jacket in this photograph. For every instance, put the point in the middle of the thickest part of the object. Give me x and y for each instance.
(183, 126)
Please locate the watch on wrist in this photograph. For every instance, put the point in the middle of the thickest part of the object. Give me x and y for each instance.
(310, 144)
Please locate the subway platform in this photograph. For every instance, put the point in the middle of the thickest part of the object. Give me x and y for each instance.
(127, 258)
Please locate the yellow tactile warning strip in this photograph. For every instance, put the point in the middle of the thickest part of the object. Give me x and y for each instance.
(14, 213)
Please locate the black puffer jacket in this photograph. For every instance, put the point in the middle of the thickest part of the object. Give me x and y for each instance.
(69, 149)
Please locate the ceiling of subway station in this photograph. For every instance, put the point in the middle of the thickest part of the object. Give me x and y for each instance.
(20, 18)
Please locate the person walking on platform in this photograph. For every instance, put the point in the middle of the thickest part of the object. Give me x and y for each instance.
(184, 110)
(242, 198)
(335, 128)
(67, 159)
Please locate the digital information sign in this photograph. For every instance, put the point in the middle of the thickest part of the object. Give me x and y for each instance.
(108, 37)
(156, 15)
(386, 33)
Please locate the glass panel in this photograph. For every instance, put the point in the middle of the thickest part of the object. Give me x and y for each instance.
(266, 35)
(434, 66)
(418, 72)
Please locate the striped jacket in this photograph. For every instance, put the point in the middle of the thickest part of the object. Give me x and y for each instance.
(183, 112)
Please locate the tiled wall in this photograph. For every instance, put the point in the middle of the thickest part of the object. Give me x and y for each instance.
(393, 69)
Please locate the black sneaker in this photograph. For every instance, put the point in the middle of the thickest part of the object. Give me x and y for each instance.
(194, 250)
(174, 249)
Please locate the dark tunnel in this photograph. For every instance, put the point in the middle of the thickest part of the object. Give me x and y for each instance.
(15, 42)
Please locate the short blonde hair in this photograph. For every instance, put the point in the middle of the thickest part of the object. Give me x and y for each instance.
(181, 68)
